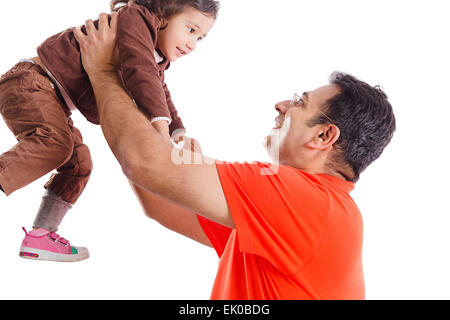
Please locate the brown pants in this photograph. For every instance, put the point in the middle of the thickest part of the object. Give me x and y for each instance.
(47, 140)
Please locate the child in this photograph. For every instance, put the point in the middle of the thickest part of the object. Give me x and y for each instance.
(38, 95)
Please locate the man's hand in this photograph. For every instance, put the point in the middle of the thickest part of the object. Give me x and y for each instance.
(98, 50)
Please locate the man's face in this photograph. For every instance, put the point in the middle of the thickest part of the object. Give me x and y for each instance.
(291, 136)
(182, 33)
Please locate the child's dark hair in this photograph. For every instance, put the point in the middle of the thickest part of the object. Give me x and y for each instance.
(365, 118)
(164, 9)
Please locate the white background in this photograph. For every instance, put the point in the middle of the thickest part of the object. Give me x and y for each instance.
(259, 52)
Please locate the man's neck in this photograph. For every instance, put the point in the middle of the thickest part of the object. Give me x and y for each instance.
(320, 169)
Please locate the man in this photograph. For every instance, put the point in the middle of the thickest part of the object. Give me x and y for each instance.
(289, 231)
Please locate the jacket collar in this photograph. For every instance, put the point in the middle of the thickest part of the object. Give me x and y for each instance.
(164, 64)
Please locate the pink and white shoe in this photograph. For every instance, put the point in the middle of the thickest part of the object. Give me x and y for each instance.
(41, 244)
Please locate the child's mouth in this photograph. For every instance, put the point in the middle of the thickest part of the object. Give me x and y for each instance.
(180, 52)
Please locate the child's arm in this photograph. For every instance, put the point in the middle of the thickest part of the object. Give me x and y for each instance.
(162, 126)
(136, 35)
(176, 127)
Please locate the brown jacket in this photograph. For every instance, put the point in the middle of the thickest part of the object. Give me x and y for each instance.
(142, 76)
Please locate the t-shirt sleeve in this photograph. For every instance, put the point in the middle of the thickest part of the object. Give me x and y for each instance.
(136, 36)
(280, 216)
(217, 234)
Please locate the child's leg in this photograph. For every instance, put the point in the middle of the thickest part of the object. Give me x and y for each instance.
(51, 212)
(34, 113)
(65, 187)
(47, 140)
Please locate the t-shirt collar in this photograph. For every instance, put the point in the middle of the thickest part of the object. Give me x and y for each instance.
(347, 186)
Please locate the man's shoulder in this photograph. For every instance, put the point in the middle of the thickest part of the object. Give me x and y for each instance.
(255, 173)
(260, 175)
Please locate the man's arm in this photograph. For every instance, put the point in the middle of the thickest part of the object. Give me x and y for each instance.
(171, 215)
(146, 158)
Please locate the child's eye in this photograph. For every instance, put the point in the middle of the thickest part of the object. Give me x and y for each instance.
(191, 30)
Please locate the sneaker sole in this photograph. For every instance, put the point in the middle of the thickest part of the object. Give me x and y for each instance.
(38, 254)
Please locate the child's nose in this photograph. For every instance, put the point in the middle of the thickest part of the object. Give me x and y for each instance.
(191, 45)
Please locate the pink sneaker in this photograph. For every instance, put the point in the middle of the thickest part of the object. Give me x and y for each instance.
(41, 244)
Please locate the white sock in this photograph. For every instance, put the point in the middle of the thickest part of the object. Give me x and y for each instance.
(51, 213)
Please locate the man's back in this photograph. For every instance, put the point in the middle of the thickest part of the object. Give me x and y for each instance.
(297, 236)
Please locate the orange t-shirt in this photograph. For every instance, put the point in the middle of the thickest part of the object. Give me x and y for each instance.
(297, 236)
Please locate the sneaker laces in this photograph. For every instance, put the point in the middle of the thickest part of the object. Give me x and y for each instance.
(56, 237)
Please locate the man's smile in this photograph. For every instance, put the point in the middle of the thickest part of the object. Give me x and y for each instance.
(279, 121)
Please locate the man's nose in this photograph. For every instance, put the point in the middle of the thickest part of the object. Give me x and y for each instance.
(282, 107)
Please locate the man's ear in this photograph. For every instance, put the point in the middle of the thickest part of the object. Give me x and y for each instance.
(325, 137)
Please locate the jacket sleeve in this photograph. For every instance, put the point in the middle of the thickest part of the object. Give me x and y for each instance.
(136, 36)
(176, 120)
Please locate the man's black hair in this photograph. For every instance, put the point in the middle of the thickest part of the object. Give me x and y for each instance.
(365, 119)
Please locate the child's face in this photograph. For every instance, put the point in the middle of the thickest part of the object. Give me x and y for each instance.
(182, 33)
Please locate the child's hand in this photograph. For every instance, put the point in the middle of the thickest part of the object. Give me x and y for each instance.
(191, 144)
(162, 126)
(98, 47)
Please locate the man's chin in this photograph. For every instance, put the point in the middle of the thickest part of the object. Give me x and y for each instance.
(266, 142)
(271, 138)
(271, 145)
